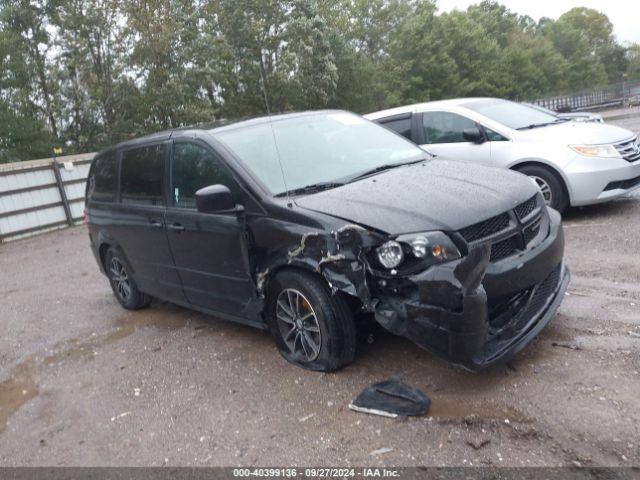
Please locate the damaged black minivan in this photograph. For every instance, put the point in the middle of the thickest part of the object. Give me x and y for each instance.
(301, 223)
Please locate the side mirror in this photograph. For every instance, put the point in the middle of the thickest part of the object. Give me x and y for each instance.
(473, 135)
(215, 199)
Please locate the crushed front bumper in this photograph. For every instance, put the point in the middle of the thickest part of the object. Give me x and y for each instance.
(473, 313)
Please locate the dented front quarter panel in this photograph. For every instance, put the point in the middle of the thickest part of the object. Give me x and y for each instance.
(330, 247)
(419, 307)
(446, 297)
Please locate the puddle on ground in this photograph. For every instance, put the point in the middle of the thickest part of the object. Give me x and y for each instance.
(21, 386)
(75, 351)
(169, 318)
(17, 390)
(166, 316)
(450, 408)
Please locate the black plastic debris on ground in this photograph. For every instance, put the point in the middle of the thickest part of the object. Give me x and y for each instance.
(391, 398)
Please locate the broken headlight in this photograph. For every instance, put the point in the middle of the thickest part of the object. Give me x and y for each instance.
(416, 252)
(390, 254)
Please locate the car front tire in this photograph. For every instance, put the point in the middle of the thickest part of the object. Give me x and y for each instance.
(312, 328)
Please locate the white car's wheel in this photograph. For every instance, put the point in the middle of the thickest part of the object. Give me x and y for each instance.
(552, 188)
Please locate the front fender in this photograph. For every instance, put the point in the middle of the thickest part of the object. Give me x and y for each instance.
(337, 255)
(545, 163)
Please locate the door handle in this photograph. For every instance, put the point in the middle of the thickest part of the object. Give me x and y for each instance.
(176, 227)
(156, 223)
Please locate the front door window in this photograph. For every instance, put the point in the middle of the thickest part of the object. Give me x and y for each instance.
(445, 127)
(195, 167)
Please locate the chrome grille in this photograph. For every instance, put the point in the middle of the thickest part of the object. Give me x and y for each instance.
(629, 149)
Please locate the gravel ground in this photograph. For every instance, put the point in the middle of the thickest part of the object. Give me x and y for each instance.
(83, 382)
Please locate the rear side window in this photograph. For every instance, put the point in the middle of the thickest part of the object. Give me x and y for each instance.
(103, 179)
(445, 127)
(399, 125)
(195, 167)
(141, 175)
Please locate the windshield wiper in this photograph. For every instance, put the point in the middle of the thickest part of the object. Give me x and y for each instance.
(321, 186)
(382, 168)
(536, 125)
(313, 188)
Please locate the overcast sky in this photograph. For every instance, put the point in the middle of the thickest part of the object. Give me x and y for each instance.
(624, 14)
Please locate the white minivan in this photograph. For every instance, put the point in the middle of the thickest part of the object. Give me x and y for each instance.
(573, 163)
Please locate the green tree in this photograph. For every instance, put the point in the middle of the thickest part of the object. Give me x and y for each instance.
(308, 59)
(596, 30)
(92, 45)
(22, 137)
(497, 21)
(23, 112)
(420, 65)
(633, 62)
(161, 61)
(27, 21)
(584, 67)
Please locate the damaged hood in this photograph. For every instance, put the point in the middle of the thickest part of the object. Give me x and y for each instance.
(434, 195)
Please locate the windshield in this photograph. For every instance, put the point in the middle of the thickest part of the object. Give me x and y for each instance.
(511, 114)
(317, 148)
(542, 109)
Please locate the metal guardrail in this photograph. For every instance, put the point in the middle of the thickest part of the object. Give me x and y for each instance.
(620, 94)
(42, 195)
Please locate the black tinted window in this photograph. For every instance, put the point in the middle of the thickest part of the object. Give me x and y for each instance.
(103, 179)
(194, 167)
(444, 127)
(141, 175)
(399, 125)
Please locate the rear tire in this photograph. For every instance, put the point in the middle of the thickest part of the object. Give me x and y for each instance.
(122, 283)
(552, 187)
(312, 328)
